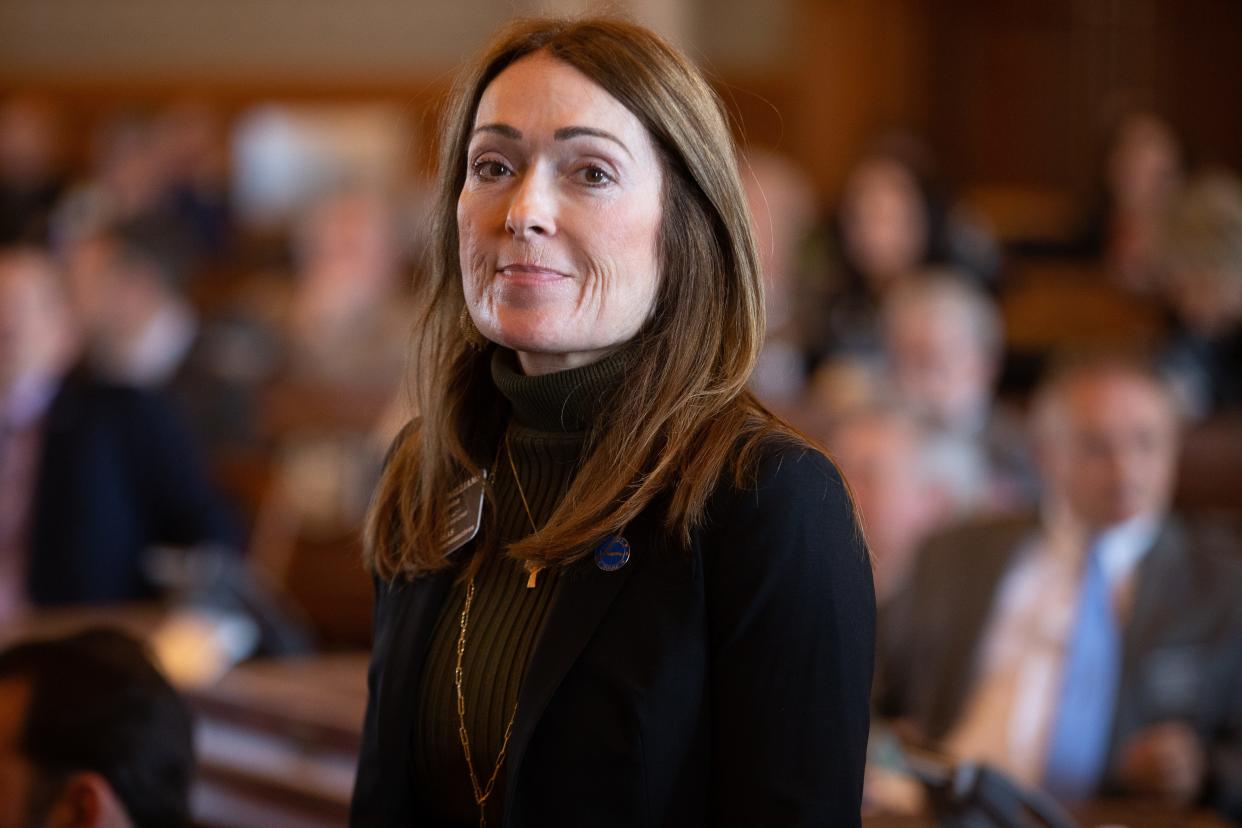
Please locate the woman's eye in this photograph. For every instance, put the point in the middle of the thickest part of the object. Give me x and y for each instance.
(488, 168)
(594, 176)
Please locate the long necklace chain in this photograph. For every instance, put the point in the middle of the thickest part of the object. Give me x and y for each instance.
(531, 567)
(481, 793)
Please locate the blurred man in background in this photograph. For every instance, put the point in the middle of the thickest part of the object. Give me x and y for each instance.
(91, 736)
(1098, 648)
(92, 476)
(943, 342)
(137, 325)
(901, 483)
(941, 348)
(138, 328)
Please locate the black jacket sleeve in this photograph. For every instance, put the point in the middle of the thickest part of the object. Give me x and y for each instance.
(366, 803)
(792, 634)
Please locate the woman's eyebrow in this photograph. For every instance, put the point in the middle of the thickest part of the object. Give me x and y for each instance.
(562, 134)
(565, 133)
(503, 130)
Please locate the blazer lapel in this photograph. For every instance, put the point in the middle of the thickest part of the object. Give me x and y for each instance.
(1162, 591)
(969, 599)
(583, 597)
(1161, 582)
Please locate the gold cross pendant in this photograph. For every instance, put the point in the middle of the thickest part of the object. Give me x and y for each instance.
(534, 570)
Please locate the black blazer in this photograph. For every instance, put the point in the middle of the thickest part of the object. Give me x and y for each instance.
(724, 686)
(117, 474)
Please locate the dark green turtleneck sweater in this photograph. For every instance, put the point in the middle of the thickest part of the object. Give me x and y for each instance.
(551, 415)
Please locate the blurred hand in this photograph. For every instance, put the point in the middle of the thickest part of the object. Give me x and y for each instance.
(908, 733)
(1164, 760)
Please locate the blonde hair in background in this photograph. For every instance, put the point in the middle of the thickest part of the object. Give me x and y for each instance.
(683, 414)
(1204, 226)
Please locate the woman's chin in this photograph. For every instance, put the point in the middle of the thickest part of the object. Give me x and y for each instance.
(517, 338)
(543, 355)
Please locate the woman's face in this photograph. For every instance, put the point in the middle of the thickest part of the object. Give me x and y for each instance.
(559, 217)
(885, 228)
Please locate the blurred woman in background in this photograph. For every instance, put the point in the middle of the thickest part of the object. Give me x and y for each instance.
(893, 221)
(1203, 239)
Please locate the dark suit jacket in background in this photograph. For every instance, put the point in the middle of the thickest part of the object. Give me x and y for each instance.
(1182, 642)
(117, 475)
(724, 686)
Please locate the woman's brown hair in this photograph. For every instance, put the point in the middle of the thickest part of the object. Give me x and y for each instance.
(687, 413)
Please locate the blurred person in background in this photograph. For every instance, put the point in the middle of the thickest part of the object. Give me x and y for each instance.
(902, 484)
(139, 329)
(1145, 167)
(343, 330)
(1141, 169)
(338, 315)
(782, 210)
(941, 345)
(190, 142)
(131, 179)
(31, 174)
(893, 221)
(1097, 648)
(91, 736)
(1203, 239)
(943, 342)
(347, 320)
(93, 475)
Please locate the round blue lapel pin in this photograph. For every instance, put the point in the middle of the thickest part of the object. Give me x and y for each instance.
(613, 553)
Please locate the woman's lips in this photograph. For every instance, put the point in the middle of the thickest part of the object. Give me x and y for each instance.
(533, 274)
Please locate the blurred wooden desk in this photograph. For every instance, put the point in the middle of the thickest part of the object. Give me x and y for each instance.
(1113, 814)
(278, 742)
(1054, 307)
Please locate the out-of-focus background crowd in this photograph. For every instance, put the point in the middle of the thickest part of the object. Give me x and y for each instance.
(212, 224)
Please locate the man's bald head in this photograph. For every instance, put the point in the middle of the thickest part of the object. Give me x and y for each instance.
(1106, 435)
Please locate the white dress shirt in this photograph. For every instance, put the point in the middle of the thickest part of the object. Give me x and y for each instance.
(153, 357)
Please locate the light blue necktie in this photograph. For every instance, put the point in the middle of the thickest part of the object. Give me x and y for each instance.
(1078, 747)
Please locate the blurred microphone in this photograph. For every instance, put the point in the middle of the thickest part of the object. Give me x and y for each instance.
(977, 795)
(222, 613)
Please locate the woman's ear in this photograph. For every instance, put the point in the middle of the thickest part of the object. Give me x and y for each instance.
(87, 801)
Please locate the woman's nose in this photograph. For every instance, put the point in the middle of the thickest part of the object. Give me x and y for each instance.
(532, 212)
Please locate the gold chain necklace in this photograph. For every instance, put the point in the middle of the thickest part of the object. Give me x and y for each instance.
(531, 567)
(481, 793)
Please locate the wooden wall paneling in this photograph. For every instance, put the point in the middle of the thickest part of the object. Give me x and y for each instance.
(1009, 97)
(859, 68)
(1200, 82)
(1022, 93)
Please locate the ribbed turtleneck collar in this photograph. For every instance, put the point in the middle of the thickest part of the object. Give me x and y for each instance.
(568, 401)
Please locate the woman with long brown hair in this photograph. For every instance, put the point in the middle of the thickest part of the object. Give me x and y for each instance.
(611, 588)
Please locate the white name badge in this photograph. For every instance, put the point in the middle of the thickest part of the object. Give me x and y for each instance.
(465, 513)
